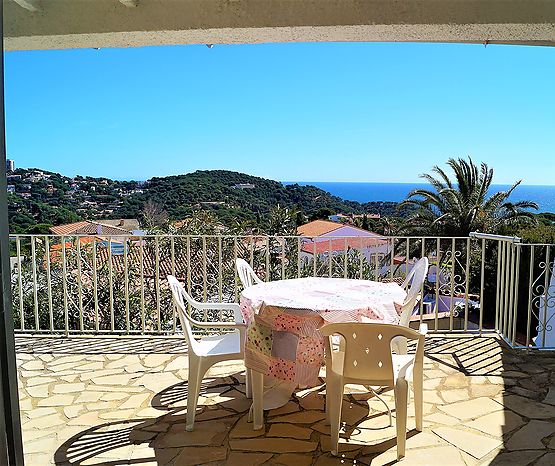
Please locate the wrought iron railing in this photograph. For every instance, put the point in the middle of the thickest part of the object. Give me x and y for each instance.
(117, 284)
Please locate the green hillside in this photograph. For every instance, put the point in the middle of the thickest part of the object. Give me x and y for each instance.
(42, 197)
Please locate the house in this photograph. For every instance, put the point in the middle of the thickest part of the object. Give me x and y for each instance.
(88, 227)
(349, 218)
(325, 237)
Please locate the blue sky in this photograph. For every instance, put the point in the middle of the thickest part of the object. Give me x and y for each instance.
(313, 112)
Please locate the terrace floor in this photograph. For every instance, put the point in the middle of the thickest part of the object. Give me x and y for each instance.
(99, 401)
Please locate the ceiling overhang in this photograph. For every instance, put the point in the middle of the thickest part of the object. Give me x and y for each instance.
(61, 24)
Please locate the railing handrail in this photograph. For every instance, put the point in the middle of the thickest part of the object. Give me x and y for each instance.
(511, 239)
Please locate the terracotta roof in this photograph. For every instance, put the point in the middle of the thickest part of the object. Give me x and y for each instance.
(87, 227)
(340, 244)
(318, 228)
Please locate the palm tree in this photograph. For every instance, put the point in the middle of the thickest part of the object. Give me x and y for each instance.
(455, 208)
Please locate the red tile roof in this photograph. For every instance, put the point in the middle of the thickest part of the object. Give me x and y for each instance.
(340, 244)
(87, 227)
(318, 228)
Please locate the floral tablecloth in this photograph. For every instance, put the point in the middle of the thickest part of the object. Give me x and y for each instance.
(284, 318)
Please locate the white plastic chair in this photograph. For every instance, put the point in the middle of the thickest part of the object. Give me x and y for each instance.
(246, 273)
(414, 282)
(207, 351)
(365, 358)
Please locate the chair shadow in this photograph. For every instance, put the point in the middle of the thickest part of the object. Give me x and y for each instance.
(98, 441)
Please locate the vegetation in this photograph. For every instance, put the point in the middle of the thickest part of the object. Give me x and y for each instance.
(460, 206)
(42, 197)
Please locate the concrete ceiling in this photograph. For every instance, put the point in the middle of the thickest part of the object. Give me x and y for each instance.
(60, 24)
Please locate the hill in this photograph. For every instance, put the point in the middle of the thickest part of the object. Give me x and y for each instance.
(41, 197)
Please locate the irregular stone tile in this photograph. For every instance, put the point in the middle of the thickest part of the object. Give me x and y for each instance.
(60, 361)
(302, 417)
(473, 443)
(42, 445)
(87, 397)
(243, 429)
(209, 414)
(471, 409)
(290, 407)
(119, 414)
(452, 396)
(321, 427)
(39, 412)
(155, 360)
(351, 413)
(529, 437)
(330, 460)
(529, 408)
(424, 439)
(440, 418)
(113, 396)
(73, 411)
(180, 362)
(546, 460)
(421, 457)
(68, 388)
(30, 374)
(119, 379)
(515, 458)
(57, 400)
(312, 400)
(550, 397)
(39, 381)
(236, 458)
(100, 406)
(135, 401)
(205, 433)
(122, 362)
(33, 365)
(85, 419)
(457, 380)
(92, 366)
(497, 423)
(40, 391)
(237, 402)
(149, 412)
(430, 396)
(288, 459)
(86, 376)
(193, 456)
(274, 445)
(487, 390)
(44, 422)
(290, 431)
(157, 383)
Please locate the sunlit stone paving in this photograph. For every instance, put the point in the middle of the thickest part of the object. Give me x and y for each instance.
(122, 401)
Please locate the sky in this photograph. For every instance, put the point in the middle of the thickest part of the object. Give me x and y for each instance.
(291, 112)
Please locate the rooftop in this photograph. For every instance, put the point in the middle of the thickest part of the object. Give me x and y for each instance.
(107, 401)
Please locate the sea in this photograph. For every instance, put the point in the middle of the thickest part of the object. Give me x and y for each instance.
(544, 196)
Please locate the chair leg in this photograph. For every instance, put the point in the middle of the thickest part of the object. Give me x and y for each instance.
(334, 391)
(399, 345)
(196, 373)
(417, 386)
(248, 383)
(257, 379)
(401, 389)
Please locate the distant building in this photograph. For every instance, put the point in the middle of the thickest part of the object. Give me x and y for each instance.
(13, 177)
(244, 186)
(11, 188)
(349, 218)
(10, 166)
(88, 227)
(322, 237)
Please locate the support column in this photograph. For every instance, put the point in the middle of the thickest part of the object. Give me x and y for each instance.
(11, 446)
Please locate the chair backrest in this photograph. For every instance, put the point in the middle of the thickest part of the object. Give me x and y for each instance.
(414, 282)
(246, 273)
(367, 349)
(179, 297)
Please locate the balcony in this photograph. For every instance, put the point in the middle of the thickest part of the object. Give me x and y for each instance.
(102, 367)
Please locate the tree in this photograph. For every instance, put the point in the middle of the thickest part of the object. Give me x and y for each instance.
(460, 206)
(153, 215)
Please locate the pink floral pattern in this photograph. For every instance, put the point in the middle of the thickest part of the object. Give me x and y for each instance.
(300, 307)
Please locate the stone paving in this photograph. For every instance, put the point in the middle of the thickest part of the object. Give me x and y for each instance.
(113, 402)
